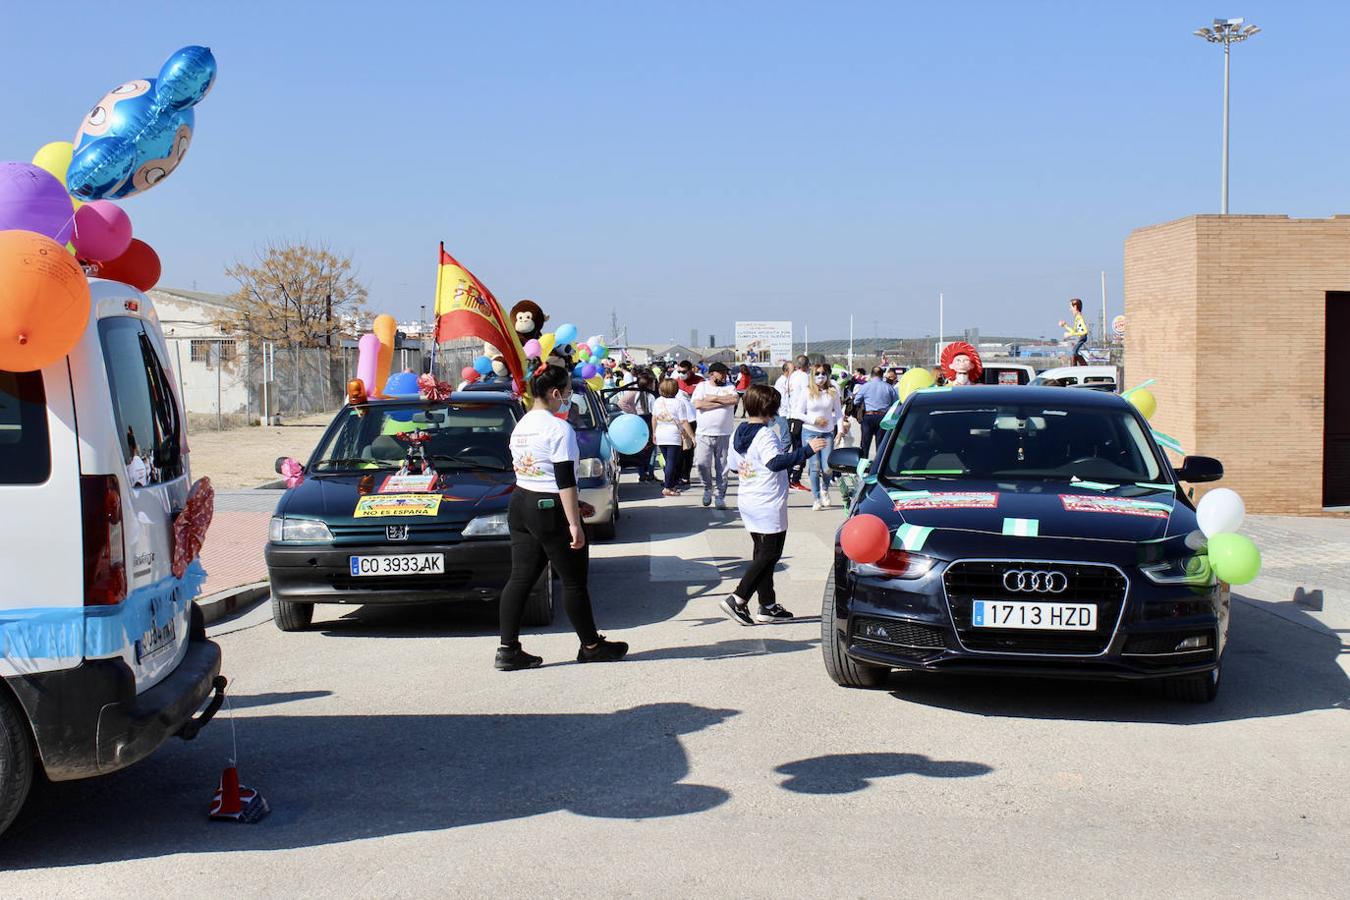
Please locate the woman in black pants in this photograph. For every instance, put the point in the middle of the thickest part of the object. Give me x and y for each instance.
(544, 518)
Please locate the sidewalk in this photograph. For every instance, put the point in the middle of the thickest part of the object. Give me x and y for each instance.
(233, 552)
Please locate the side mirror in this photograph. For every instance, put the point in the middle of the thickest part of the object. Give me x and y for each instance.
(1199, 469)
(844, 460)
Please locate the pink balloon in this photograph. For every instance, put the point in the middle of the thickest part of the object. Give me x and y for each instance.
(367, 356)
(102, 231)
(532, 349)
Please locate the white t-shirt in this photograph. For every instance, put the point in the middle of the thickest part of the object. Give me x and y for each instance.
(714, 421)
(824, 405)
(761, 494)
(781, 386)
(539, 440)
(798, 387)
(667, 414)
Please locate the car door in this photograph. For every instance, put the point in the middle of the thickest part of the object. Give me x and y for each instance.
(149, 430)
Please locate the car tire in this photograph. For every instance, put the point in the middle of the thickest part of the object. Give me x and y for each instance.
(16, 760)
(292, 616)
(539, 605)
(843, 670)
(1202, 688)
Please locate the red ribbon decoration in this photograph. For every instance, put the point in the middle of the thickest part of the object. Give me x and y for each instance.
(432, 389)
(189, 528)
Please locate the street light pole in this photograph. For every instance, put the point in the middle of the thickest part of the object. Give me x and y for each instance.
(1226, 32)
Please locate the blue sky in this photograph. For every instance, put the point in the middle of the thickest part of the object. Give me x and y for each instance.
(697, 162)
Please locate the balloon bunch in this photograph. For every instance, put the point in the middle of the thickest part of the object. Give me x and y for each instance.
(1233, 557)
(585, 359)
(57, 223)
(375, 356)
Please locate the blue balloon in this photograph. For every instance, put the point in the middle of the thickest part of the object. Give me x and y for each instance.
(401, 384)
(140, 131)
(628, 433)
(579, 370)
(565, 334)
(482, 365)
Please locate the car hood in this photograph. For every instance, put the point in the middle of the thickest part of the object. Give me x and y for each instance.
(333, 498)
(1129, 514)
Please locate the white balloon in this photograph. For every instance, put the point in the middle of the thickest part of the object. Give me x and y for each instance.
(1220, 511)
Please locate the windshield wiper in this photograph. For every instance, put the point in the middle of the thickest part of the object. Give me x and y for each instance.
(353, 460)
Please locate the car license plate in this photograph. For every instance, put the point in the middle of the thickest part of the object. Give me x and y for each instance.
(1031, 615)
(403, 564)
(156, 639)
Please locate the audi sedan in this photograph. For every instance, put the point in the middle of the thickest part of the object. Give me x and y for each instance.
(1034, 531)
(402, 501)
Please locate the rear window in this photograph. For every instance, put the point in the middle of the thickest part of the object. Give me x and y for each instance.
(25, 448)
(147, 416)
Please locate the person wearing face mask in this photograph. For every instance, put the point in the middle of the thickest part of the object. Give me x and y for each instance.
(544, 520)
(715, 405)
(824, 417)
(687, 379)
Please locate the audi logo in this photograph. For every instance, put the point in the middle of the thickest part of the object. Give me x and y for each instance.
(1035, 581)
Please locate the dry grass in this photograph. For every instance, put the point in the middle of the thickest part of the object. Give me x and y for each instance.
(245, 457)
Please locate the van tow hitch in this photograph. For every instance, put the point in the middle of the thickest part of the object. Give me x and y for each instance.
(196, 724)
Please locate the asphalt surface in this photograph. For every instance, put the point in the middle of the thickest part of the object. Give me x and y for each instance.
(717, 760)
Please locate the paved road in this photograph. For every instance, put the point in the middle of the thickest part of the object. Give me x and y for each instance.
(718, 760)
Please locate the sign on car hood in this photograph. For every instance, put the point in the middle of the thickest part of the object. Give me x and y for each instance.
(334, 498)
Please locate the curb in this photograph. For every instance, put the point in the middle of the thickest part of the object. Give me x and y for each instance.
(224, 604)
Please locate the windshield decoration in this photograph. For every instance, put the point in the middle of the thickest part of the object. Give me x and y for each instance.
(432, 389)
(911, 537)
(1118, 505)
(1093, 485)
(383, 506)
(403, 483)
(949, 500)
(1022, 527)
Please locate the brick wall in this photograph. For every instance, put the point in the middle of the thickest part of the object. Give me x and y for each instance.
(1207, 298)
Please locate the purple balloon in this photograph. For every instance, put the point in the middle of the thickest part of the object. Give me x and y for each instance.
(588, 371)
(32, 199)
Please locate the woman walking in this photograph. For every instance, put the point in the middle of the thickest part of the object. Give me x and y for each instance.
(762, 498)
(824, 417)
(742, 384)
(671, 415)
(544, 519)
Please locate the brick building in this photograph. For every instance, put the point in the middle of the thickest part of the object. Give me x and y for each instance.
(1245, 323)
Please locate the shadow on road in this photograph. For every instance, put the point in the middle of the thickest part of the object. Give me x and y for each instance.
(846, 773)
(1274, 666)
(735, 649)
(332, 779)
(249, 701)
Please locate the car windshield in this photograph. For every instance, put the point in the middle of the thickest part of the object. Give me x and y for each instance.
(460, 435)
(1012, 442)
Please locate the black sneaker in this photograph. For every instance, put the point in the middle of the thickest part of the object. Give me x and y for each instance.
(509, 659)
(770, 614)
(605, 651)
(737, 610)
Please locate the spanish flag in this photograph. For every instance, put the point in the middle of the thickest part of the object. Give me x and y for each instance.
(466, 308)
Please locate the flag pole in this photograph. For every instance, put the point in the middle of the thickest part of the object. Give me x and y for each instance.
(436, 312)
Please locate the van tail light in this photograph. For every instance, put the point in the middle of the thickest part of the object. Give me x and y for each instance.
(105, 572)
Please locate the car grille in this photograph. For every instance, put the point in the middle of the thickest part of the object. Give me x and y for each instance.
(349, 534)
(971, 580)
(1160, 648)
(449, 581)
(914, 653)
(912, 640)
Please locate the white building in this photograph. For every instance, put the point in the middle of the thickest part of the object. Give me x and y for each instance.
(212, 367)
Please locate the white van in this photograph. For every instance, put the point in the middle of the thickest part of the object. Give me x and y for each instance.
(103, 655)
(1105, 378)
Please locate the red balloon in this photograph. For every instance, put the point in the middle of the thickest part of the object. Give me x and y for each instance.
(469, 374)
(138, 266)
(865, 538)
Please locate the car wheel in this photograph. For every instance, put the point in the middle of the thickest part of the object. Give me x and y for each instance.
(539, 605)
(1202, 688)
(16, 760)
(292, 616)
(843, 670)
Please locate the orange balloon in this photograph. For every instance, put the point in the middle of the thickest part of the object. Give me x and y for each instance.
(44, 301)
(386, 329)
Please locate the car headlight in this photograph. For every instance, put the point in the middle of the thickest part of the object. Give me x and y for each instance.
(283, 530)
(896, 564)
(487, 526)
(591, 467)
(1192, 570)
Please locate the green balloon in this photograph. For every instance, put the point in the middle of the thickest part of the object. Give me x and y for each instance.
(1234, 557)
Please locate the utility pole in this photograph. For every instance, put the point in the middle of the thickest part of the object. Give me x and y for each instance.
(1103, 309)
(1226, 32)
(850, 345)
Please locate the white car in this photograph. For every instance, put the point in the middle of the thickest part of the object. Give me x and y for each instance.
(1100, 377)
(103, 654)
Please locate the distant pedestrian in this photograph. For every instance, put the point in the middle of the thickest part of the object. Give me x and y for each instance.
(824, 418)
(742, 381)
(715, 405)
(1077, 332)
(672, 416)
(798, 385)
(638, 401)
(762, 499)
(873, 399)
(688, 380)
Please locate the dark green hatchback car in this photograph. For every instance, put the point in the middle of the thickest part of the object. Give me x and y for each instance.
(403, 501)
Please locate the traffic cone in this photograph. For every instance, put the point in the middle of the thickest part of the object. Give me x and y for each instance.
(227, 798)
(234, 802)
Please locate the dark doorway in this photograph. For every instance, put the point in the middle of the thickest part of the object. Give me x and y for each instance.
(1336, 430)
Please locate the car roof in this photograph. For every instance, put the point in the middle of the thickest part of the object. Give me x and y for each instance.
(976, 394)
(477, 396)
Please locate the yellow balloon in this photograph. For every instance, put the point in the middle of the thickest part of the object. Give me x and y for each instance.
(914, 380)
(546, 342)
(1144, 401)
(55, 158)
(596, 382)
